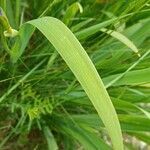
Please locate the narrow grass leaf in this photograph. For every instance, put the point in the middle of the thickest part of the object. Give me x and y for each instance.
(129, 123)
(121, 38)
(130, 68)
(21, 42)
(127, 106)
(83, 34)
(52, 145)
(77, 59)
(71, 12)
(135, 77)
(78, 26)
(20, 81)
(89, 139)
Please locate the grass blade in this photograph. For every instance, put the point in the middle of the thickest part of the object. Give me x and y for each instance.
(75, 28)
(130, 68)
(20, 81)
(122, 39)
(52, 145)
(21, 43)
(82, 67)
(89, 140)
(71, 12)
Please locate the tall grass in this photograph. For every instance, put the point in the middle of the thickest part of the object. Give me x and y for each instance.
(102, 97)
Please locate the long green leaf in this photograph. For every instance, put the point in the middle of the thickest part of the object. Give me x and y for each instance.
(52, 145)
(3, 97)
(21, 43)
(88, 139)
(122, 39)
(130, 68)
(71, 12)
(83, 134)
(82, 67)
(135, 77)
(129, 123)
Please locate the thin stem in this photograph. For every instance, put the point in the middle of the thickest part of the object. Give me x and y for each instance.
(18, 2)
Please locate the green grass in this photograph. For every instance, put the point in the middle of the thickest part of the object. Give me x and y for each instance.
(57, 94)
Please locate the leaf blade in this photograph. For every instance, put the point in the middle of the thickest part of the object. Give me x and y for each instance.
(75, 56)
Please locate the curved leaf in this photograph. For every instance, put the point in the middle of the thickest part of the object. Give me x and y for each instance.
(122, 39)
(79, 62)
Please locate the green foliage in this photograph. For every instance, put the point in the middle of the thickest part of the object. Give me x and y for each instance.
(36, 105)
(43, 106)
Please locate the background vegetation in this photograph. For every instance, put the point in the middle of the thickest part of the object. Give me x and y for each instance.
(42, 105)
